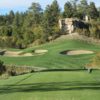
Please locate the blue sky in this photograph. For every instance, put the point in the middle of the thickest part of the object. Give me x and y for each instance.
(22, 5)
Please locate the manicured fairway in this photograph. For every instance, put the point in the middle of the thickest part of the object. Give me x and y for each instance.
(64, 85)
(72, 84)
(53, 58)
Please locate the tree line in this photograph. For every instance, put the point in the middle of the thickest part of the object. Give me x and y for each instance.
(37, 26)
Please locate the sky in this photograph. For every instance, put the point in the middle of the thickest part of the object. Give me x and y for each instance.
(23, 5)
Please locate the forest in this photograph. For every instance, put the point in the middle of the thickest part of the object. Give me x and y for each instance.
(36, 26)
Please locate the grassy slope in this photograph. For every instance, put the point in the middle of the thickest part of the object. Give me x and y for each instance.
(71, 85)
(53, 59)
(63, 85)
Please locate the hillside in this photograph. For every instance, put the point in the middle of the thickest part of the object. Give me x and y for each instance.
(64, 79)
(53, 58)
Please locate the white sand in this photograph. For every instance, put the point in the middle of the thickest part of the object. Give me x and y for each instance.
(77, 52)
(18, 53)
(41, 51)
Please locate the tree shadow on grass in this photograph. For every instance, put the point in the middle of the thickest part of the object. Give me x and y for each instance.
(62, 69)
(50, 86)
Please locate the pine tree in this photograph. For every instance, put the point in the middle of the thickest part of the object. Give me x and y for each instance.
(35, 11)
(93, 12)
(55, 12)
(51, 17)
(83, 8)
(74, 5)
(11, 17)
(68, 10)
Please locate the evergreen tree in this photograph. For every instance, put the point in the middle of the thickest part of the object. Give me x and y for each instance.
(11, 17)
(17, 29)
(74, 5)
(51, 17)
(35, 11)
(55, 12)
(83, 8)
(47, 21)
(22, 29)
(93, 12)
(68, 10)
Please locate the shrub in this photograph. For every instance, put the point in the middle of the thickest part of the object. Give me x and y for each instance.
(95, 62)
(13, 70)
(95, 29)
(2, 67)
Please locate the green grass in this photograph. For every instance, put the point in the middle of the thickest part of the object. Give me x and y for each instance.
(72, 85)
(54, 85)
(53, 58)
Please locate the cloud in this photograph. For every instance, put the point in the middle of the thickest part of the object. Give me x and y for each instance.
(19, 5)
(97, 2)
(23, 5)
(27, 3)
(15, 3)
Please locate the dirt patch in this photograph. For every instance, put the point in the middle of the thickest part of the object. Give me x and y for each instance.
(77, 52)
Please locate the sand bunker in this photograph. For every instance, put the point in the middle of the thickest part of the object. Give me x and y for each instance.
(20, 53)
(15, 54)
(77, 52)
(40, 51)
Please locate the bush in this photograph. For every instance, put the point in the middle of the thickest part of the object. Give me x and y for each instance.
(7, 42)
(13, 70)
(95, 62)
(2, 67)
(95, 29)
(83, 31)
